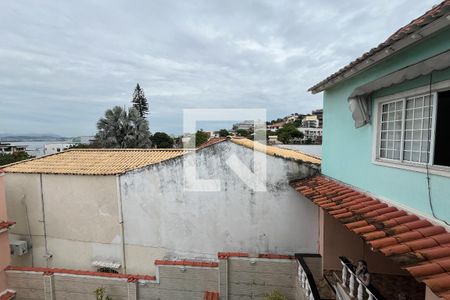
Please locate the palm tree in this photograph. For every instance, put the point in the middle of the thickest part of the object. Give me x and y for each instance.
(123, 129)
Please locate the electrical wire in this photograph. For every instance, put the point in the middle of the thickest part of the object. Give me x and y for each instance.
(427, 164)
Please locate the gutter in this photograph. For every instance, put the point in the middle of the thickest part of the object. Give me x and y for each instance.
(122, 228)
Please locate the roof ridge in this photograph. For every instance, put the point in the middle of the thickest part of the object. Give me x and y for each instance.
(97, 161)
(277, 151)
(126, 149)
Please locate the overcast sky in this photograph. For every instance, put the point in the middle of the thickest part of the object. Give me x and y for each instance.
(63, 63)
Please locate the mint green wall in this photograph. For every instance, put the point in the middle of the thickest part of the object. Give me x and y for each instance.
(347, 151)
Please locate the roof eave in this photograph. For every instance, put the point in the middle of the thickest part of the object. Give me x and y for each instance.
(381, 53)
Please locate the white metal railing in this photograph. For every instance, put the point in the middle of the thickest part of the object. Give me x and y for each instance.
(305, 284)
(355, 286)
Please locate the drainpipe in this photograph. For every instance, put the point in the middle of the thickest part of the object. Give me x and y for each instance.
(47, 255)
(122, 230)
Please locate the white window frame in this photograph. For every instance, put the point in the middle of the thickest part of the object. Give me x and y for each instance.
(407, 165)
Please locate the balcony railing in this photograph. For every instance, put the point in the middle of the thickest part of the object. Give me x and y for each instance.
(306, 280)
(353, 285)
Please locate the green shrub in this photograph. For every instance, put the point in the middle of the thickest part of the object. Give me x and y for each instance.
(275, 295)
(100, 294)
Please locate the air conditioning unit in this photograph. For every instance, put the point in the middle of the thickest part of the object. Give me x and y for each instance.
(18, 247)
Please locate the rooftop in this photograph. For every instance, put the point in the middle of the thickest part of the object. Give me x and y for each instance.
(390, 46)
(119, 161)
(276, 151)
(94, 161)
(420, 247)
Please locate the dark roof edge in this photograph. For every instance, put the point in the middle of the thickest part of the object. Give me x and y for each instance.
(431, 22)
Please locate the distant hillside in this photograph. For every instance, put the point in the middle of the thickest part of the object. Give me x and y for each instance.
(4, 137)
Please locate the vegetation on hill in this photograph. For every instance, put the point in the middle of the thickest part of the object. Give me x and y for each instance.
(288, 133)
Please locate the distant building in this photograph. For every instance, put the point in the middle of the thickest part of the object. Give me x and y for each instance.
(7, 148)
(81, 140)
(275, 126)
(244, 125)
(291, 119)
(314, 134)
(213, 133)
(273, 139)
(56, 147)
(311, 121)
(319, 114)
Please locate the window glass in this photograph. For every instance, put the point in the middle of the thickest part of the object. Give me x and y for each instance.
(418, 119)
(391, 129)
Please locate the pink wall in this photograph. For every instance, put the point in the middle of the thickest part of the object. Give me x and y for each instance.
(4, 243)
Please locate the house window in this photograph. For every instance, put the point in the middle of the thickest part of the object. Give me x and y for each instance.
(391, 129)
(413, 130)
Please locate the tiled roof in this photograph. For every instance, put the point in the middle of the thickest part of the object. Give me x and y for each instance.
(419, 246)
(416, 24)
(211, 295)
(187, 263)
(94, 161)
(50, 271)
(9, 295)
(276, 151)
(6, 224)
(211, 142)
(225, 255)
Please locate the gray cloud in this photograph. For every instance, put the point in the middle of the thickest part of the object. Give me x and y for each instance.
(63, 63)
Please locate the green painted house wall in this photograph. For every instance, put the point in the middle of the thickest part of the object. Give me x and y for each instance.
(347, 151)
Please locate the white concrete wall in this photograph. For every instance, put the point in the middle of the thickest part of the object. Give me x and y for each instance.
(163, 220)
(81, 217)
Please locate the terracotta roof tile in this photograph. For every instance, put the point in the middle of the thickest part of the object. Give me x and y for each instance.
(94, 161)
(190, 263)
(49, 271)
(416, 244)
(9, 295)
(276, 151)
(211, 295)
(6, 224)
(212, 141)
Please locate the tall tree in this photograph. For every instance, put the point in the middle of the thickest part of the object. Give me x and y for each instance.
(140, 101)
(123, 129)
(162, 140)
(201, 137)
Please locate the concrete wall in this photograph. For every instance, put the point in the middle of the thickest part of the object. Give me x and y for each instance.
(81, 218)
(347, 151)
(237, 278)
(162, 219)
(255, 279)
